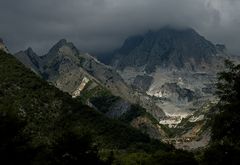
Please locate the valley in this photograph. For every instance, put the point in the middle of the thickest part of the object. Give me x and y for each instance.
(119, 82)
(178, 70)
(174, 99)
(170, 92)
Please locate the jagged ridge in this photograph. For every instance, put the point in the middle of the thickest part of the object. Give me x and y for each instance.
(167, 48)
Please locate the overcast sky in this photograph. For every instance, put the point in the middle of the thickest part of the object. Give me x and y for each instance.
(102, 25)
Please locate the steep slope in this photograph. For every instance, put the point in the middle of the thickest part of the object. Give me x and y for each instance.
(171, 62)
(47, 112)
(38, 102)
(62, 67)
(30, 59)
(167, 48)
(176, 67)
(79, 74)
(43, 125)
(66, 67)
(64, 59)
(82, 75)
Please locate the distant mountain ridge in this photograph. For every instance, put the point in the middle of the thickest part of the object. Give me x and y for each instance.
(30, 59)
(167, 48)
(170, 72)
(178, 68)
(81, 75)
(168, 95)
(43, 125)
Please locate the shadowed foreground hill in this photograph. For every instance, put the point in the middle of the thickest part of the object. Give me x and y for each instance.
(41, 125)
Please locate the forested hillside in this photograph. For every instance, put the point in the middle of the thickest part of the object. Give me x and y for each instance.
(41, 125)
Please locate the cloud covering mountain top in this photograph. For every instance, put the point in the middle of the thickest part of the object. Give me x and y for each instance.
(102, 25)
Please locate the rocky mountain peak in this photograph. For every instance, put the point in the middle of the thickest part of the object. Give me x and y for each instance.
(29, 50)
(30, 59)
(63, 43)
(168, 47)
(60, 43)
(62, 52)
(30, 53)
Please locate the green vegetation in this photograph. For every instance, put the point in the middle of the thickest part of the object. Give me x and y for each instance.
(104, 102)
(134, 112)
(225, 145)
(99, 96)
(95, 92)
(41, 125)
(35, 120)
(162, 158)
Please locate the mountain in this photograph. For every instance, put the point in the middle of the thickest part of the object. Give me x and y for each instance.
(97, 85)
(66, 67)
(30, 59)
(177, 69)
(168, 48)
(64, 60)
(168, 93)
(45, 114)
(170, 61)
(61, 66)
(43, 125)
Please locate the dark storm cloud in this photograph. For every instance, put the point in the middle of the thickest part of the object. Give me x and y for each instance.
(101, 25)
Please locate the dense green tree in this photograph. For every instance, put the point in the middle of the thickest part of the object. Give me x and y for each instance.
(225, 145)
(227, 123)
(41, 125)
